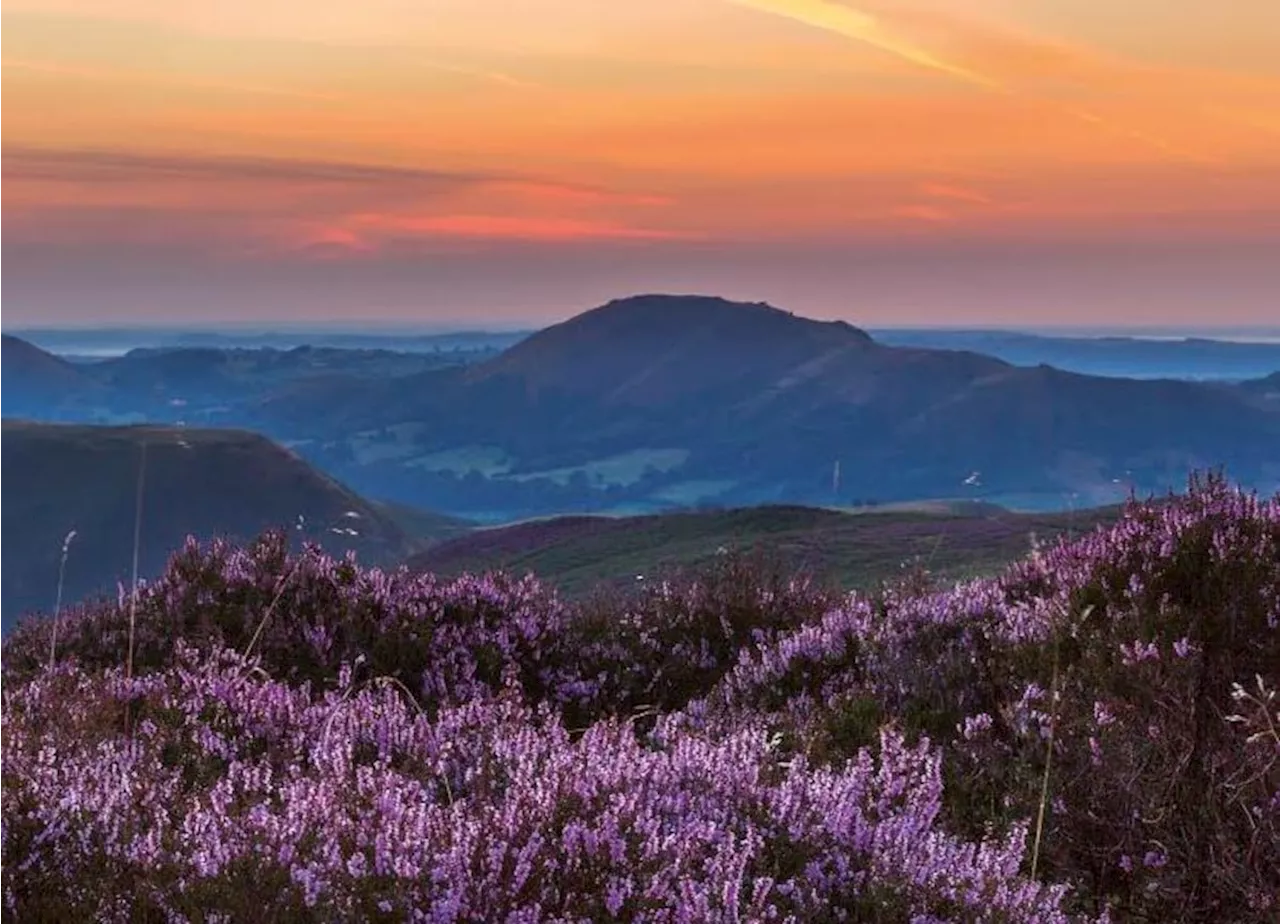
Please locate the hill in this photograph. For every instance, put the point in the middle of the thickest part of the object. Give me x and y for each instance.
(660, 401)
(59, 478)
(1196, 358)
(852, 549)
(653, 349)
(226, 386)
(33, 379)
(1266, 388)
(426, 526)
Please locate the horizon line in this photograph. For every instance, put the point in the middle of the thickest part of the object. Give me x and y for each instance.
(391, 325)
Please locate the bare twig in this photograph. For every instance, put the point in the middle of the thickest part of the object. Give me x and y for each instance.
(279, 594)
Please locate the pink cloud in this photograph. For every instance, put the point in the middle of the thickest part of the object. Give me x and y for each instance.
(928, 213)
(951, 191)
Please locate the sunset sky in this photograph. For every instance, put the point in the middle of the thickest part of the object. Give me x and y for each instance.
(500, 162)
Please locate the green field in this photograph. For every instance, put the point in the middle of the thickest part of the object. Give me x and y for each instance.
(624, 469)
(845, 548)
(489, 461)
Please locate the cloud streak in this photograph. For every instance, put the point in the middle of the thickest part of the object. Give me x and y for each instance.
(237, 205)
(24, 162)
(862, 27)
(148, 77)
(96, 167)
(504, 227)
(233, 203)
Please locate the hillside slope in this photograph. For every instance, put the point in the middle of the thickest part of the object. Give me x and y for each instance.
(653, 349)
(853, 549)
(32, 380)
(58, 478)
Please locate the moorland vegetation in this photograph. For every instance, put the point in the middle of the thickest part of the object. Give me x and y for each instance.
(1093, 734)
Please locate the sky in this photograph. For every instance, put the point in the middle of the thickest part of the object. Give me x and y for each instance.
(504, 162)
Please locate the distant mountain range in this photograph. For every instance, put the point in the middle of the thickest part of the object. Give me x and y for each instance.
(659, 401)
(59, 478)
(1227, 355)
(1199, 358)
(195, 384)
(101, 343)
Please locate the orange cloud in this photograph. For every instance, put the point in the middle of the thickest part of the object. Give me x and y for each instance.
(327, 207)
(653, 121)
(122, 177)
(507, 227)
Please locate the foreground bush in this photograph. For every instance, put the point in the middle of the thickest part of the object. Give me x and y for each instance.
(305, 616)
(445, 640)
(208, 789)
(1126, 655)
(654, 650)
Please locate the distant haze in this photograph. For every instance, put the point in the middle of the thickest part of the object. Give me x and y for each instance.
(996, 285)
(1019, 345)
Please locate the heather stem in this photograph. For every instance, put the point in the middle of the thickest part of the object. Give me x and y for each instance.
(1048, 765)
(57, 605)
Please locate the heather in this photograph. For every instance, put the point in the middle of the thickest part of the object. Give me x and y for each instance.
(304, 617)
(1123, 682)
(1092, 733)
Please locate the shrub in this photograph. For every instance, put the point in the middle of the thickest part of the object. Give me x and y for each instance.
(1119, 652)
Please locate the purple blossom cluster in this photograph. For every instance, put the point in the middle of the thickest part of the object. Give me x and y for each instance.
(209, 790)
(302, 739)
(447, 640)
(1116, 653)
